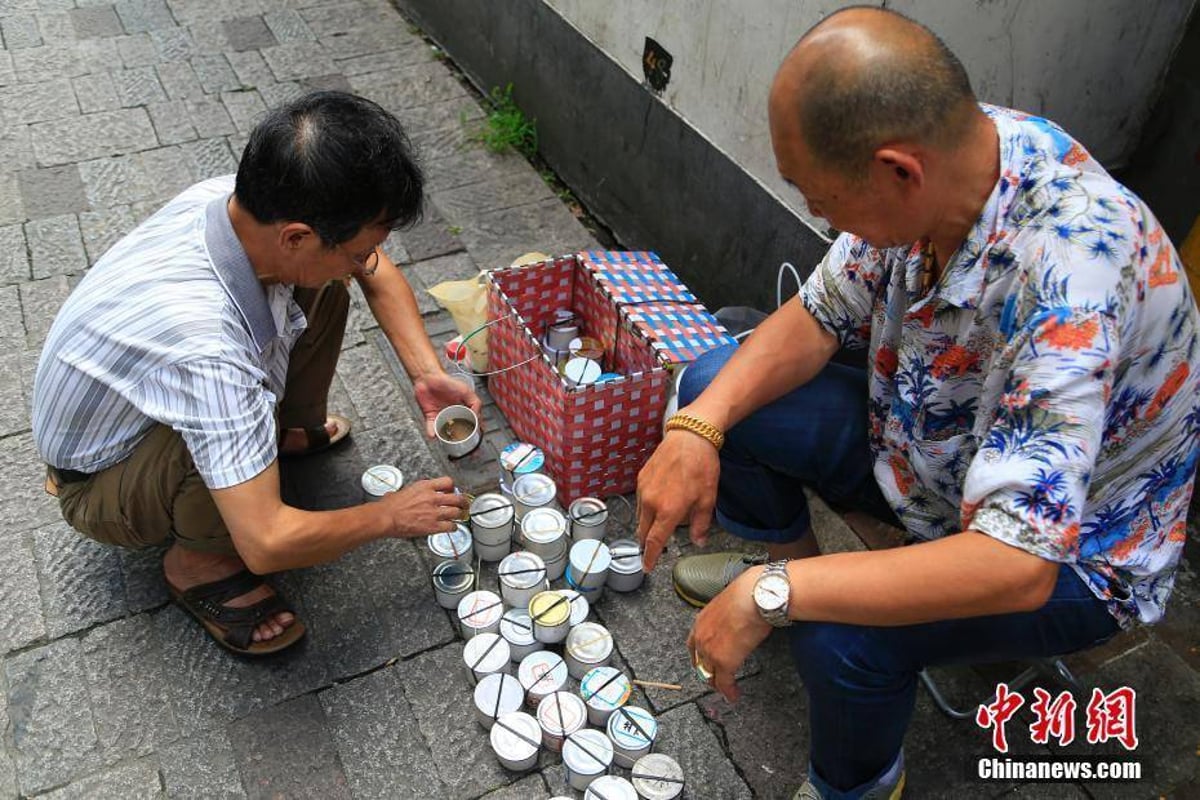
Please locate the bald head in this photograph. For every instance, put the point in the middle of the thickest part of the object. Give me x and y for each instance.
(865, 77)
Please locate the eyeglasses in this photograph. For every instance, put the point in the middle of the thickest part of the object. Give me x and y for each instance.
(367, 263)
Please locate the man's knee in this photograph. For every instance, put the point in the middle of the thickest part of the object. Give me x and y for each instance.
(701, 372)
(835, 656)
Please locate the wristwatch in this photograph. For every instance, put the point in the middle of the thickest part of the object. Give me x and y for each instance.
(772, 591)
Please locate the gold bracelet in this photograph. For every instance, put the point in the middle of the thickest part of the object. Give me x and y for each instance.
(698, 426)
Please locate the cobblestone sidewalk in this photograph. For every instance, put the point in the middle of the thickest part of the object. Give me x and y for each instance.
(107, 109)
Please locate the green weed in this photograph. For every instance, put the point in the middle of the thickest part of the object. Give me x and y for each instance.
(506, 126)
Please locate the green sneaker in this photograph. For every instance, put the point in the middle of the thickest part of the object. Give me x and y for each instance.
(890, 786)
(698, 579)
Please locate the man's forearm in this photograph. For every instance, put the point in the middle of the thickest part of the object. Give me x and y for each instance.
(394, 306)
(299, 538)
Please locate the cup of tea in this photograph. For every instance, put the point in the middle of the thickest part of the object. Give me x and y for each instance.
(457, 428)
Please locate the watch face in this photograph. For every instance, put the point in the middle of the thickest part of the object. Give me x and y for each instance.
(771, 592)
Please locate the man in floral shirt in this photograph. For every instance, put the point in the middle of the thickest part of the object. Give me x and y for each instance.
(1030, 412)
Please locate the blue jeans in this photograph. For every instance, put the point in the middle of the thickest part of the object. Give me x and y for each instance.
(862, 680)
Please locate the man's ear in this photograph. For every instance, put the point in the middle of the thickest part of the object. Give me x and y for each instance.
(294, 236)
(900, 165)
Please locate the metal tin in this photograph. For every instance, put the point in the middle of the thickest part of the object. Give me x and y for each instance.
(587, 567)
(625, 573)
(610, 787)
(517, 629)
(588, 347)
(522, 575)
(517, 459)
(560, 335)
(491, 519)
(541, 531)
(560, 714)
(556, 565)
(588, 517)
(551, 618)
(579, 606)
(382, 479)
(533, 491)
(632, 731)
(497, 694)
(589, 645)
(581, 372)
(455, 544)
(451, 581)
(660, 765)
(457, 448)
(541, 674)
(485, 654)
(480, 612)
(511, 738)
(604, 690)
(587, 754)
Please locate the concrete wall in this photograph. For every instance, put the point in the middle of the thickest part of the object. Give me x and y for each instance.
(1094, 66)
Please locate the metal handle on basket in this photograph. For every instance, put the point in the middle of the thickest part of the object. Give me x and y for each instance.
(482, 328)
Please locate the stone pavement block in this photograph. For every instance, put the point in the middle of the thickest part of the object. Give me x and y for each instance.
(431, 237)
(20, 31)
(47, 63)
(24, 503)
(8, 770)
(297, 60)
(56, 26)
(138, 86)
(171, 122)
(81, 579)
(1178, 628)
(14, 268)
(16, 148)
(173, 44)
(685, 736)
(38, 102)
(360, 42)
(208, 36)
(250, 68)
(53, 734)
(40, 301)
(320, 83)
(114, 181)
(372, 605)
(167, 172)
(288, 751)
(288, 26)
(277, 94)
(14, 416)
(94, 55)
(496, 238)
(96, 92)
(137, 50)
(21, 620)
(468, 203)
(210, 117)
(371, 386)
(208, 158)
(403, 444)
(137, 780)
(96, 22)
(439, 693)
(54, 191)
(145, 587)
(409, 87)
(201, 768)
(179, 81)
(106, 133)
(139, 16)
(470, 165)
(248, 33)
(334, 18)
(122, 663)
(55, 246)
(215, 74)
(12, 329)
(245, 108)
(377, 738)
(529, 786)
(394, 57)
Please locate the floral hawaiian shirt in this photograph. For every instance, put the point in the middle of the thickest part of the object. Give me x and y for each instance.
(1046, 391)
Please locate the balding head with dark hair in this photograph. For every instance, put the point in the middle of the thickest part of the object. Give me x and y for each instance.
(865, 77)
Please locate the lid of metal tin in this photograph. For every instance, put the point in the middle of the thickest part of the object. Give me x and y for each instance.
(561, 713)
(452, 577)
(626, 556)
(381, 479)
(516, 736)
(610, 787)
(549, 609)
(587, 347)
(487, 652)
(657, 776)
(632, 728)
(587, 752)
(543, 525)
(522, 570)
(582, 371)
(492, 510)
(452, 544)
(605, 688)
(589, 555)
(480, 609)
(534, 489)
(542, 672)
(517, 627)
(588, 511)
(589, 643)
(498, 693)
(579, 606)
(521, 458)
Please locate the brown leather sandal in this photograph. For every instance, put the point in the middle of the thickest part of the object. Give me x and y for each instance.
(233, 628)
(319, 438)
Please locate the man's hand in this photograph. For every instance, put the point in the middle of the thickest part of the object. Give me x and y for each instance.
(424, 507)
(437, 390)
(727, 631)
(678, 483)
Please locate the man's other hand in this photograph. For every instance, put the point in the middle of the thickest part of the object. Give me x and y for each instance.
(678, 484)
(424, 507)
(438, 390)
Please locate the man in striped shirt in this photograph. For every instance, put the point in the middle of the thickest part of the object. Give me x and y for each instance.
(172, 367)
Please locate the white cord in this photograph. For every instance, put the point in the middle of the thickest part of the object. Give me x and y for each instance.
(787, 265)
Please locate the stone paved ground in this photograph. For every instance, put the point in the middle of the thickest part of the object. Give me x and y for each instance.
(109, 108)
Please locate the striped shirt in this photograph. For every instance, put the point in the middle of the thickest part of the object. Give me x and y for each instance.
(170, 326)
